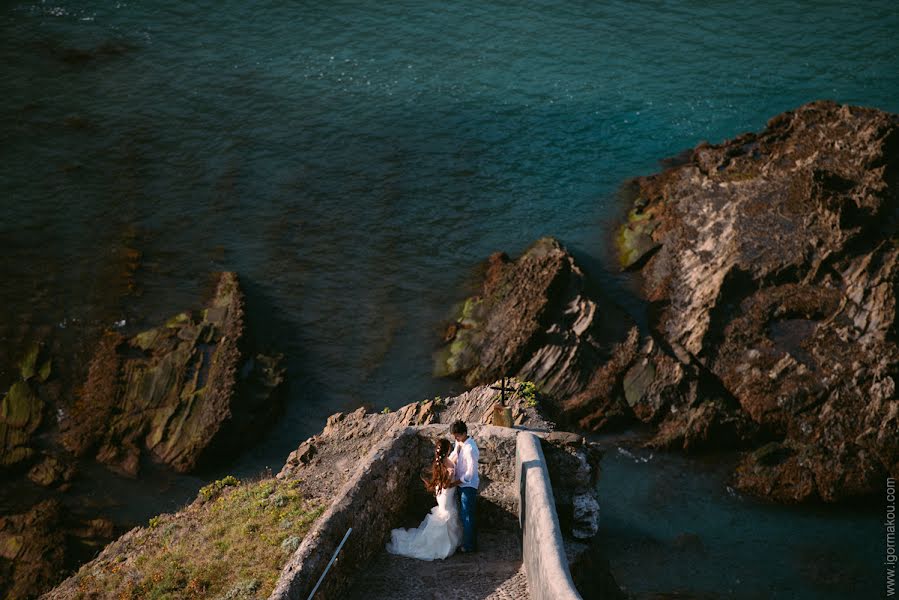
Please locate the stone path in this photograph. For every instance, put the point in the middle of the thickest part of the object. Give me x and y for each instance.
(495, 572)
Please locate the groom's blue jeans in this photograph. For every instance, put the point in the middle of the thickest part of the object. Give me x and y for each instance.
(468, 498)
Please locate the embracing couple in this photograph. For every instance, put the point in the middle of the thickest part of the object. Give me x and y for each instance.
(452, 521)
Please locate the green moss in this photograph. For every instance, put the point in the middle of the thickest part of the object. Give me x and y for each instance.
(21, 408)
(45, 370)
(28, 365)
(472, 310)
(14, 454)
(10, 546)
(634, 238)
(178, 320)
(145, 339)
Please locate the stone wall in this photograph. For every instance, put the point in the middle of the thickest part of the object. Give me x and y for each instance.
(385, 492)
(369, 503)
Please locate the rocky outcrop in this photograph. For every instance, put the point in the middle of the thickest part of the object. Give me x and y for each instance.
(534, 319)
(770, 263)
(22, 408)
(53, 471)
(181, 391)
(38, 546)
(32, 549)
(347, 437)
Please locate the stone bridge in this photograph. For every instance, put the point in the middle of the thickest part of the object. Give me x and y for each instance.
(527, 533)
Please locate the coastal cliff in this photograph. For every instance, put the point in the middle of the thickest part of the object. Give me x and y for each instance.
(236, 537)
(773, 268)
(769, 267)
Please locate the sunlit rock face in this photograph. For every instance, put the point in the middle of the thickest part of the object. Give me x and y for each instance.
(771, 263)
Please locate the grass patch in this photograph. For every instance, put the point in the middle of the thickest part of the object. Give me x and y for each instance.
(232, 543)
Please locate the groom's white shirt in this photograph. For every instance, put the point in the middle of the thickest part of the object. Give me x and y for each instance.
(465, 455)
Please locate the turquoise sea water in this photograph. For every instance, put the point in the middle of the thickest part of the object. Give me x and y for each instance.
(354, 161)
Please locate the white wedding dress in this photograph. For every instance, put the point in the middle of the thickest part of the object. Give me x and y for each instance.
(438, 536)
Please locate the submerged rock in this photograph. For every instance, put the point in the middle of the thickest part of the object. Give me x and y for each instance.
(534, 319)
(52, 471)
(184, 391)
(32, 550)
(772, 270)
(21, 413)
(22, 407)
(39, 546)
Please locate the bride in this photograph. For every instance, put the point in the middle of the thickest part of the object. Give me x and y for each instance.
(440, 533)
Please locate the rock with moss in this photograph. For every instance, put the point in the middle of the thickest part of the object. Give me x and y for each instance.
(773, 266)
(21, 413)
(186, 392)
(535, 319)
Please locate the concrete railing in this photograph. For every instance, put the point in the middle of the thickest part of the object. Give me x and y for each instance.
(543, 550)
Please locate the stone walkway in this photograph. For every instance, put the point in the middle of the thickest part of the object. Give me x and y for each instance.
(495, 572)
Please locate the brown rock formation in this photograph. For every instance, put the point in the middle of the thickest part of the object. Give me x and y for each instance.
(32, 550)
(535, 320)
(181, 391)
(347, 437)
(771, 264)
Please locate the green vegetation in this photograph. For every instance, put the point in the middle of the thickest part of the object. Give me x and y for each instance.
(232, 544)
(529, 393)
(437, 400)
(386, 410)
(634, 237)
(215, 488)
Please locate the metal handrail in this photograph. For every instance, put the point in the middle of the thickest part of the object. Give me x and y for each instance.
(333, 558)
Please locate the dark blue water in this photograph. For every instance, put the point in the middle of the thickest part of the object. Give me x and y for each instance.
(354, 161)
(670, 524)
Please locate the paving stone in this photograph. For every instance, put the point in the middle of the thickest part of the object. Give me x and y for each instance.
(494, 572)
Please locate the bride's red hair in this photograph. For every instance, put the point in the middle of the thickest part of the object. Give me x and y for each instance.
(440, 478)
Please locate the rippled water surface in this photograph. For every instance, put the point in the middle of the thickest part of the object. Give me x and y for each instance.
(354, 161)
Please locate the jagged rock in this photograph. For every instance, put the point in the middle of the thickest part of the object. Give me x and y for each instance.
(21, 413)
(183, 391)
(535, 320)
(347, 437)
(52, 472)
(644, 382)
(32, 550)
(38, 547)
(773, 270)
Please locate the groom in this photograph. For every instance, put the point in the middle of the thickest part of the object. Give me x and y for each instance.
(465, 456)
